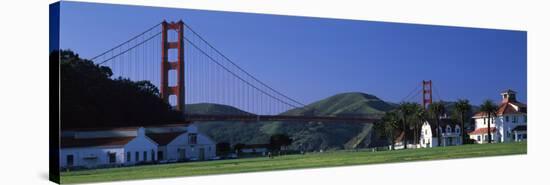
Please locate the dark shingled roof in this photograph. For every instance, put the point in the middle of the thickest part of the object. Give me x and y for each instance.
(164, 138)
(89, 142)
(443, 122)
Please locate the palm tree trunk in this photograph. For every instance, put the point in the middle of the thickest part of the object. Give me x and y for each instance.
(392, 142)
(404, 135)
(462, 128)
(414, 135)
(438, 132)
(489, 129)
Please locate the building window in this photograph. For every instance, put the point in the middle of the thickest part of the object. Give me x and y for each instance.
(525, 118)
(192, 138)
(144, 155)
(137, 156)
(128, 157)
(507, 118)
(70, 160)
(457, 130)
(479, 138)
(111, 157)
(514, 119)
(152, 155)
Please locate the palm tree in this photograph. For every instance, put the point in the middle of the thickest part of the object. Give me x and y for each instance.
(406, 110)
(437, 109)
(462, 106)
(387, 125)
(419, 117)
(490, 109)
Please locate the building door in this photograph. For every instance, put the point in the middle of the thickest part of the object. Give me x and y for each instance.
(160, 155)
(181, 154)
(201, 154)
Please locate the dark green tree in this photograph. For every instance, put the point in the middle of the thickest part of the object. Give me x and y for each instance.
(238, 147)
(91, 97)
(489, 109)
(223, 149)
(419, 116)
(406, 111)
(387, 126)
(463, 107)
(277, 141)
(437, 109)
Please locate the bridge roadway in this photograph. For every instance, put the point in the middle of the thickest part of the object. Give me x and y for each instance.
(253, 118)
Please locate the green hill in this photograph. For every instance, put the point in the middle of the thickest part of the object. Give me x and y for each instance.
(354, 103)
(326, 135)
(307, 135)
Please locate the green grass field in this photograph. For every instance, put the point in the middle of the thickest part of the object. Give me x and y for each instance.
(313, 160)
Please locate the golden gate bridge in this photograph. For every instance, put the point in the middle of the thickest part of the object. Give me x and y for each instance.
(189, 70)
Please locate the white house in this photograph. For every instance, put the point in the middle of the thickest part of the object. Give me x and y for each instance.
(510, 123)
(93, 148)
(106, 148)
(450, 133)
(427, 136)
(184, 145)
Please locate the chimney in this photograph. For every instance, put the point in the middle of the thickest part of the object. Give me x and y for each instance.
(508, 96)
(140, 132)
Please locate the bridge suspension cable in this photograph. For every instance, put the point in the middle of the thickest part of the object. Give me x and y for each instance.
(210, 76)
(241, 69)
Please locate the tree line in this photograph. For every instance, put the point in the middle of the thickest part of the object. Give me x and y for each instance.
(91, 98)
(408, 118)
(277, 143)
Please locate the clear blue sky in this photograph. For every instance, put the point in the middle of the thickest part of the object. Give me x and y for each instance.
(312, 58)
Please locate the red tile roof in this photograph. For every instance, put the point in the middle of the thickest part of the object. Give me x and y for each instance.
(505, 108)
(89, 142)
(481, 131)
(164, 138)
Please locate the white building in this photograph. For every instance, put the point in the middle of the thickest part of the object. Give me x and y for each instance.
(93, 148)
(510, 123)
(106, 148)
(184, 145)
(450, 133)
(427, 136)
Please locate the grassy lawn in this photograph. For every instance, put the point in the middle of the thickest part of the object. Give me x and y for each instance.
(327, 159)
